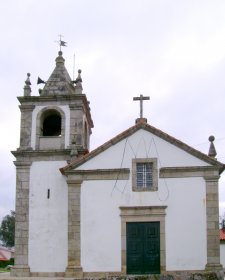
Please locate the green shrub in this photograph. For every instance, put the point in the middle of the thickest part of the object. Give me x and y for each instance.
(5, 263)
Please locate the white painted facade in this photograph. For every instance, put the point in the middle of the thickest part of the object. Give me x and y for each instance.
(184, 198)
(48, 218)
(101, 224)
(100, 213)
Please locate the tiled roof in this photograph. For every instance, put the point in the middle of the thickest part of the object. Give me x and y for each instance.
(222, 234)
(3, 257)
(141, 124)
(2, 254)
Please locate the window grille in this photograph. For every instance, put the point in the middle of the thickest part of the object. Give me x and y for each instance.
(144, 175)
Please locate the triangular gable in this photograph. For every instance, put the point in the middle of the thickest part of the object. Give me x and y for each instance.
(142, 125)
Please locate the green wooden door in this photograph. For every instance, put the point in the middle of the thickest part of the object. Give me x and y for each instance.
(143, 248)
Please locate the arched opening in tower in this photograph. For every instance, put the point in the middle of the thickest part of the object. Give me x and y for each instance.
(52, 124)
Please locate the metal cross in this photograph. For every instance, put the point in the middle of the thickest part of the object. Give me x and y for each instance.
(141, 98)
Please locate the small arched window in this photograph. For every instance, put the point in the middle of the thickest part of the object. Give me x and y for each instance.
(51, 125)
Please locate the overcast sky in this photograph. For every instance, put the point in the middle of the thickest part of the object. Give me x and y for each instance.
(170, 50)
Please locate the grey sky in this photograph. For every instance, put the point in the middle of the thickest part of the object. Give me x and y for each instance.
(171, 50)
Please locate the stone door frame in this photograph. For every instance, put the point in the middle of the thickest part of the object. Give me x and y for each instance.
(143, 214)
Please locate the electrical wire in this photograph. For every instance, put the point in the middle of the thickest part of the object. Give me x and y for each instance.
(121, 164)
(164, 180)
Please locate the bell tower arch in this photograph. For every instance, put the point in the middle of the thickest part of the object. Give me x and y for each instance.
(51, 124)
(50, 128)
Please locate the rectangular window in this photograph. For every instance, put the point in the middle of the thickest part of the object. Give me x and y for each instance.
(144, 174)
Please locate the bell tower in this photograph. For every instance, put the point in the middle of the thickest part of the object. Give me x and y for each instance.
(58, 117)
(55, 128)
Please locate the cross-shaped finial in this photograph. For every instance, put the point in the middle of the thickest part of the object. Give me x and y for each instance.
(141, 98)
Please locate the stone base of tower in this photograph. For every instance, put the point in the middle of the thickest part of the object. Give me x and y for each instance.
(217, 268)
(74, 271)
(20, 271)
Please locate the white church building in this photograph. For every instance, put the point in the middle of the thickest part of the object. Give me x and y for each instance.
(142, 203)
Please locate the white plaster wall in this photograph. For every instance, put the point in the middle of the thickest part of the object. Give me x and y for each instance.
(48, 218)
(100, 228)
(184, 198)
(37, 109)
(186, 243)
(222, 254)
(101, 222)
(142, 144)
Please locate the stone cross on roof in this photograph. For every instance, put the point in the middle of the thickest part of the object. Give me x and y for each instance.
(141, 98)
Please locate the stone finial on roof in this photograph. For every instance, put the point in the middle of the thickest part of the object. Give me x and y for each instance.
(27, 88)
(78, 82)
(141, 120)
(59, 59)
(212, 149)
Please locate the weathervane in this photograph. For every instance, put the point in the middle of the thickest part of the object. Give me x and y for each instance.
(141, 98)
(61, 42)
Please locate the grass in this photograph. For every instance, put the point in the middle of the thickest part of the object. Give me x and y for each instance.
(3, 269)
